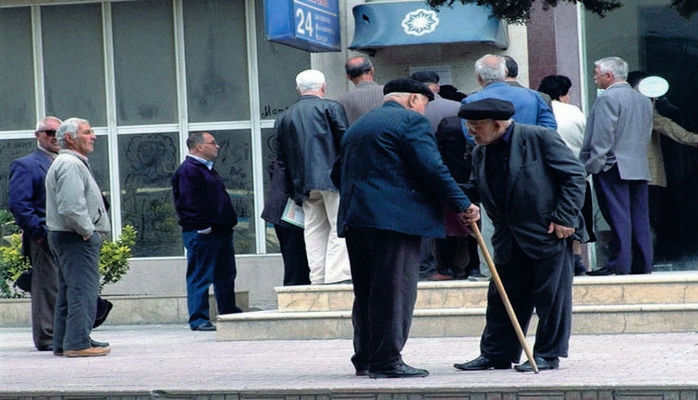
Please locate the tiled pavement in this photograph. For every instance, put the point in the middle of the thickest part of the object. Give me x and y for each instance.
(169, 361)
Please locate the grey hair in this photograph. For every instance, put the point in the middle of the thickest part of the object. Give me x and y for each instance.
(400, 95)
(491, 68)
(615, 65)
(70, 128)
(41, 125)
(310, 79)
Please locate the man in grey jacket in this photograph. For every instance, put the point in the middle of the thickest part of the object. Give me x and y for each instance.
(614, 152)
(77, 222)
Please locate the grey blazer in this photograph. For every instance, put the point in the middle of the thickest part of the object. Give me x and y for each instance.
(618, 131)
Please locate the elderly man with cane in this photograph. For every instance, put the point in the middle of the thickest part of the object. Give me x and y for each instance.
(532, 186)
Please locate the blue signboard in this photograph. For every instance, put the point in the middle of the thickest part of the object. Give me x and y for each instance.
(311, 25)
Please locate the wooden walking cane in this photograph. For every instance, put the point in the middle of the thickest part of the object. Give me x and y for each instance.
(505, 299)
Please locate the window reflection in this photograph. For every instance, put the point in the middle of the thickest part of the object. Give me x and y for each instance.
(147, 163)
(234, 164)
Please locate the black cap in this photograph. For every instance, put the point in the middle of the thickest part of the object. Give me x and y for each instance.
(425, 76)
(404, 85)
(499, 110)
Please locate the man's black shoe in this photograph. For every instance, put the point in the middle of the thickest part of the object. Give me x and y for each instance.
(482, 363)
(48, 347)
(542, 364)
(207, 327)
(402, 371)
(361, 372)
(94, 343)
(601, 272)
(103, 309)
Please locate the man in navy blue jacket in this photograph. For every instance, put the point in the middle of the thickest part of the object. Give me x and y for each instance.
(207, 218)
(393, 185)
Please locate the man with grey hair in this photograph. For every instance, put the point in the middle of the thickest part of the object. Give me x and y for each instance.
(614, 152)
(366, 94)
(307, 144)
(529, 106)
(77, 222)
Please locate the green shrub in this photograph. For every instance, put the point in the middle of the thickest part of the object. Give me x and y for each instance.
(113, 257)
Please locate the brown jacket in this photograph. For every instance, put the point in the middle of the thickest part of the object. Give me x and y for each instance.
(664, 126)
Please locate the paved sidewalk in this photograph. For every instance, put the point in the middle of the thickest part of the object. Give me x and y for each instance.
(171, 358)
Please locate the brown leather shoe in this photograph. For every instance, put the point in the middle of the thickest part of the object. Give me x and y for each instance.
(88, 352)
(440, 277)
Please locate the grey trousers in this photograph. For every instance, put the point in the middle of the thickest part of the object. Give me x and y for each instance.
(44, 292)
(78, 288)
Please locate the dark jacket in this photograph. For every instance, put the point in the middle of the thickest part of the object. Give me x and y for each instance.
(276, 198)
(308, 135)
(200, 198)
(391, 175)
(27, 200)
(546, 183)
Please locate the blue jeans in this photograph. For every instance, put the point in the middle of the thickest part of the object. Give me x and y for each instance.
(210, 260)
(78, 288)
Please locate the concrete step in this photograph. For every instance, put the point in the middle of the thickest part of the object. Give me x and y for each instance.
(657, 288)
(128, 309)
(661, 302)
(455, 322)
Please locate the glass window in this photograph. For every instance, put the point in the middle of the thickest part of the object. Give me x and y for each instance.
(99, 163)
(268, 154)
(17, 108)
(278, 67)
(144, 58)
(653, 38)
(146, 165)
(215, 43)
(11, 150)
(234, 164)
(74, 62)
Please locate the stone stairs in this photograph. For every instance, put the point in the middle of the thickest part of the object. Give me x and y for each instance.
(660, 302)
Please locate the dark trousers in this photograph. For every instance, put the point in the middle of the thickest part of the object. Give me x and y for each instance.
(78, 288)
(545, 285)
(292, 244)
(210, 260)
(43, 292)
(385, 271)
(624, 205)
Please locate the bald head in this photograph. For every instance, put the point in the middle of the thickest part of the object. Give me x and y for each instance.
(359, 69)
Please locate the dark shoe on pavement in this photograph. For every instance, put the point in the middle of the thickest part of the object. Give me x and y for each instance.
(541, 362)
(207, 327)
(482, 363)
(47, 347)
(88, 352)
(95, 343)
(103, 309)
(402, 371)
(604, 271)
(361, 372)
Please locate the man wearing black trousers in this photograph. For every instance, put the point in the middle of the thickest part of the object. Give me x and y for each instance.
(392, 184)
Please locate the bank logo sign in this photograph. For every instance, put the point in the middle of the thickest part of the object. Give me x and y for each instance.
(420, 22)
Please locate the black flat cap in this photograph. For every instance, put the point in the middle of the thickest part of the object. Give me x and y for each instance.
(404, 85)
(499, 110)
(425, 76)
